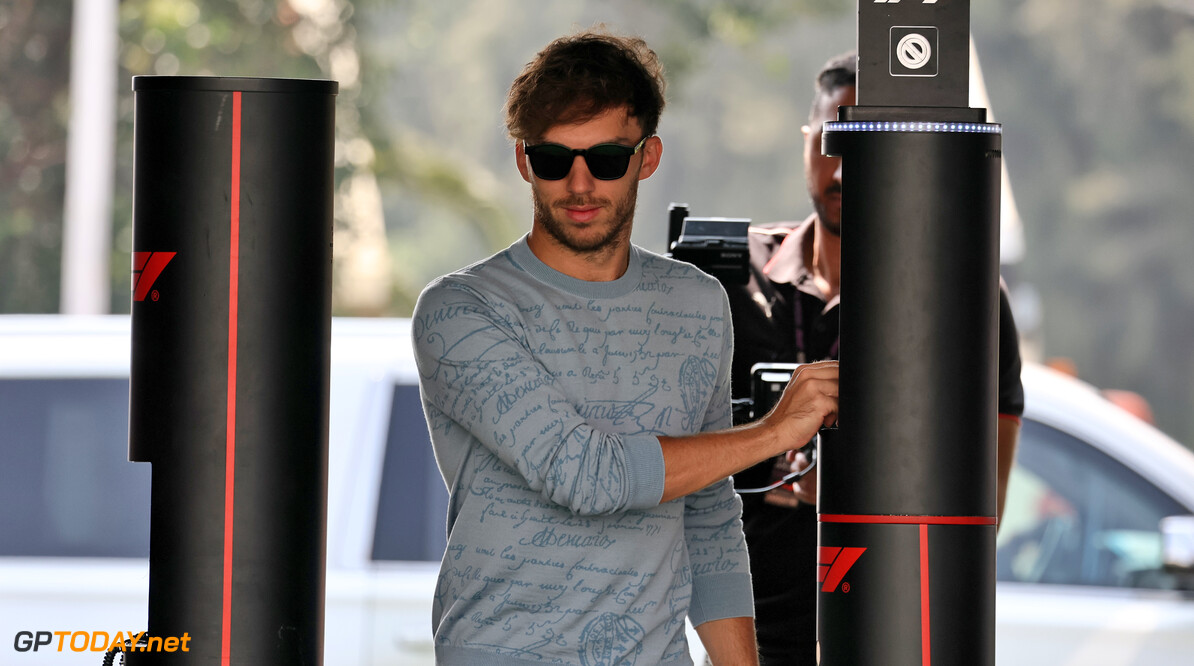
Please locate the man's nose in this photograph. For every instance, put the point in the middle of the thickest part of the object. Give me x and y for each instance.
(580, 180)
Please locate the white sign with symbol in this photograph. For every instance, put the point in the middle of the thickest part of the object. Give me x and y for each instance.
(914, 51)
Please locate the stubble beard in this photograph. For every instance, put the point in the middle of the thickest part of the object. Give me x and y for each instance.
(614, 236)
(831, 223)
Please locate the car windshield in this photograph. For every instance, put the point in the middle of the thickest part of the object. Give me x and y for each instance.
(66, 485)
(1076, 516)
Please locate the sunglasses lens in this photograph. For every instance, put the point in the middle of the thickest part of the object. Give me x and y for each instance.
(608, 161)
(549, 161)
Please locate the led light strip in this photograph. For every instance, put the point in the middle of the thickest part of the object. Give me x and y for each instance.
(915, 126)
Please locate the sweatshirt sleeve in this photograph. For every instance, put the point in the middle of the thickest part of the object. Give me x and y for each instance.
(479, 376)
(721, 585)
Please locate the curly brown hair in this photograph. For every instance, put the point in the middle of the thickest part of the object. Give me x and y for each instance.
(581, 76)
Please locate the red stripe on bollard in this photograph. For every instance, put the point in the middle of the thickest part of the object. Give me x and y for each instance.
(230, 459)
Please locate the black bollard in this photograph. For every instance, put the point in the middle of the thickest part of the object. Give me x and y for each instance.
(907, 482)
(231, 326)
(910, 474)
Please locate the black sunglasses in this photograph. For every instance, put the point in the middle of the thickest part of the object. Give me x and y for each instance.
(606, 161)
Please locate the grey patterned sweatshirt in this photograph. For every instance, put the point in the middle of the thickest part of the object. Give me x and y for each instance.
(545, 396)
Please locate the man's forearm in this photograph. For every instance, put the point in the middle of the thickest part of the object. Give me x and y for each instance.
(730, 641)
(809, 402)
(693, 462)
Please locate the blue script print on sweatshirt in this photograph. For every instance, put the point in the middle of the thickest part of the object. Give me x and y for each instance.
(611, 639)
(545, 397)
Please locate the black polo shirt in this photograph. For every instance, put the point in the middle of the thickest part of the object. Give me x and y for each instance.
(781, 316)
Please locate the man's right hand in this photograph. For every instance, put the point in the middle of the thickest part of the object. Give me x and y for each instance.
(809, 402)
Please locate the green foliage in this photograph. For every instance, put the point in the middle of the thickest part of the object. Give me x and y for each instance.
(437, 74)
(1097, 100)
(260, 38)
(34, 68)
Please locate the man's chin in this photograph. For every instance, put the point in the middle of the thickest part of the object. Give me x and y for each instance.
(589, 238)
(588, 244)
(829, 220)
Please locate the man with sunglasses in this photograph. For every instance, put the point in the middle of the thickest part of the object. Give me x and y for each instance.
(577, 392)
(789, 313)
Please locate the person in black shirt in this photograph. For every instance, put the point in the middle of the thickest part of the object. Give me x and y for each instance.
(788, 312)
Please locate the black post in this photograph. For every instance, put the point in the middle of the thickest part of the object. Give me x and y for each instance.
(907, 505)
(231, 325)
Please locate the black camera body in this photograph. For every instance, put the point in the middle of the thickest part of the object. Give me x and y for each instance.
(716, 245)
(767, 384)
(719, 246)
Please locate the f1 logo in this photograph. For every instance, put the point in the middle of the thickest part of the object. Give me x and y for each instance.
(913, 50)
(147, 266)
(834, 564)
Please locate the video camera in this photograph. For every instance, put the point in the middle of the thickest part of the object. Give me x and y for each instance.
(716, 245)
(767, 384)
(719, 246)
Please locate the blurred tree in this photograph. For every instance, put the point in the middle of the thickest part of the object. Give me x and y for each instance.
(418, 95)
(1098, 101)
(437, 75)
(262, 38)
(1096, 95)
(34, 71)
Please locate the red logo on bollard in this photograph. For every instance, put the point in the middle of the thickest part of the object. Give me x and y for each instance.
(147, 266)
(835, 562)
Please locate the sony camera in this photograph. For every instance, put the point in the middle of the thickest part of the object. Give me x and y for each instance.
(716, 245)
(767, 382)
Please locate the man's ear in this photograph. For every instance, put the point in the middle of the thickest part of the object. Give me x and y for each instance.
(652, 152)
(520, 158)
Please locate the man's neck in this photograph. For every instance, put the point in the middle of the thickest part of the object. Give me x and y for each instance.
(827, 261)
(604, 265)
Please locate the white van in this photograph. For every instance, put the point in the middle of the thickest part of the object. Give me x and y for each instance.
(1080, 559)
